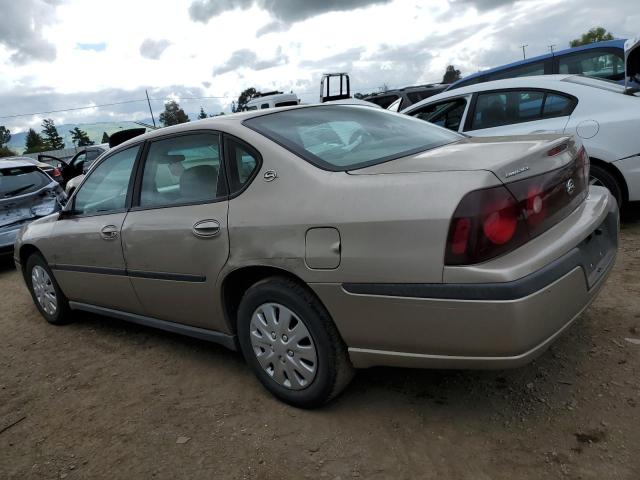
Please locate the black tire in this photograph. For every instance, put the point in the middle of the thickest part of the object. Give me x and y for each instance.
(334, 370)
(62, 313)
(608, 180)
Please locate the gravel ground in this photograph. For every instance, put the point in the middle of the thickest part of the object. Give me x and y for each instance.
(104, 399)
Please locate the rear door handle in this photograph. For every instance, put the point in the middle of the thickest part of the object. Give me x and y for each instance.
(206, 228)
(109, 232)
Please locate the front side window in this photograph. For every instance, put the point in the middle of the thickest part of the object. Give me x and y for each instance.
(346, 137)
(594, 63)
(182, 170)
(105, 190)
(447, 114)
(288, 103)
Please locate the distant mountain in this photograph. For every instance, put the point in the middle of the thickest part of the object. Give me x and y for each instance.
(94, 130)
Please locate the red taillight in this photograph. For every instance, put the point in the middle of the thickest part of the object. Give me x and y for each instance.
(496, 220)
(56, 172)
(500, 225)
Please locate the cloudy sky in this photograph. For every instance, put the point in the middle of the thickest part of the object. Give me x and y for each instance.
(61, 54)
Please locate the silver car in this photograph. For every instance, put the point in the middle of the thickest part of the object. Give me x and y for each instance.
(316, 239)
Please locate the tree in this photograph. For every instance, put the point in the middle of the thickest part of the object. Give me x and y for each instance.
(5, 135)
(173, 114)
(596, 34)
(6, 152)
(80, 137)
(202, 114)
(53, 138)
(244, 98)
(451, 74)
(105, 137)
(34, 142)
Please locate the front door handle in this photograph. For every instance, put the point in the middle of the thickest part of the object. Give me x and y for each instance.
(109, 232)
(206, 228)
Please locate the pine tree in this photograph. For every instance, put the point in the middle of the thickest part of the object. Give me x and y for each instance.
(52, 137)
(202, 114)
(34, 142)
(80, 137)
(5, 135)
(173, 114)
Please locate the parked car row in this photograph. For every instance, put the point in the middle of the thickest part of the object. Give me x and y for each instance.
(316, 239)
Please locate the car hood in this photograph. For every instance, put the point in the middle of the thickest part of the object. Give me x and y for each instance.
(515, 156)
(632, 59)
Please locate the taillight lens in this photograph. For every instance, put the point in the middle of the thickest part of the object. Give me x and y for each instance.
(494, 221)
(56, 172)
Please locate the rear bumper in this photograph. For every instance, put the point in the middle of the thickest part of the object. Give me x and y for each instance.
(495, 325)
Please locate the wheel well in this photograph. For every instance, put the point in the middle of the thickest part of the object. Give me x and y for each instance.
(613, 170)
(25, 253)
(239, 281)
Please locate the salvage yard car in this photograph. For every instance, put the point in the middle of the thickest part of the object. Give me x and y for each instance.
(317, 239)
(26, 193)
(603, 114)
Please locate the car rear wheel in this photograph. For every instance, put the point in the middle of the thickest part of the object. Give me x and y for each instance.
(601, 177)
(291, 344)
(46, 293)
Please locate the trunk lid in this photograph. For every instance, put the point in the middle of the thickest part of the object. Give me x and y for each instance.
(509, 158)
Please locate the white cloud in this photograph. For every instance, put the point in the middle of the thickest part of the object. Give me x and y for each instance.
(268, 44)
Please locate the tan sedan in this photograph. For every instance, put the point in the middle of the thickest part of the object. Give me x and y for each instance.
(317, 239)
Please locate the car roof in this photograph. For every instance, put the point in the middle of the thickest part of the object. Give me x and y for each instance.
(13, 162)
(618, 43)
(538, 81)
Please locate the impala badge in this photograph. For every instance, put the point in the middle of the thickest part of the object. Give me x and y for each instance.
(570, 186)
(517, 171)
(270, 175)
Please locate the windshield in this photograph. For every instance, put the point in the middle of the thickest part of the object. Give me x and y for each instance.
(21, 180)
(601, 83)
(347, 137)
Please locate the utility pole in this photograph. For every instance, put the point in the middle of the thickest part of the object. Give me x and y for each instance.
(150, 111)
(524, 54)
(551, 48)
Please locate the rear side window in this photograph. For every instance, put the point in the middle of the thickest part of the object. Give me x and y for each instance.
(500, 108)
(346, 137)
(264, 105)
(243, 163)
(593, 63)
(182, 170)
(21, 180)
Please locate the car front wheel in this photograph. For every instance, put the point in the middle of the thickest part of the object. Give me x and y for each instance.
(46, 293)
(290, 342)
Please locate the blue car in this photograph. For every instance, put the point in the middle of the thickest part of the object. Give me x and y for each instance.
(604, 60)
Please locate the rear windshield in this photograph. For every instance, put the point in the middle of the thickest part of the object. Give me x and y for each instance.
(21, 180)
(347, 137)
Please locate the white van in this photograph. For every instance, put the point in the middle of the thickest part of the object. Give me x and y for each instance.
(272, 100)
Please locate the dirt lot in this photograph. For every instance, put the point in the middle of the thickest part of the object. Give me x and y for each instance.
(105, 399)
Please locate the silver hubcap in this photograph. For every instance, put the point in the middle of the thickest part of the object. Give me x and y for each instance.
(43, 288)
(283, 346)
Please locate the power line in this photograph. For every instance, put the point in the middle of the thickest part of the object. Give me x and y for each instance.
(125, 102)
